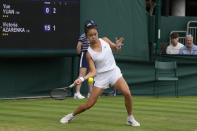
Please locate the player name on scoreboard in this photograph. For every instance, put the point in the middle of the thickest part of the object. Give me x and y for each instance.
(12, 27)
(7, 10)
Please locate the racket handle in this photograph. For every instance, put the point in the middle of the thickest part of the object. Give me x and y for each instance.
(72, 85)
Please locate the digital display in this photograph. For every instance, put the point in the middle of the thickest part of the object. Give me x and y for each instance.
(39, 24)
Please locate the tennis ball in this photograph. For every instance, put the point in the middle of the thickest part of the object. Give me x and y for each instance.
(90, 79)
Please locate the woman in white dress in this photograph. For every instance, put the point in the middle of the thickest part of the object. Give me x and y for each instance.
(103, 68)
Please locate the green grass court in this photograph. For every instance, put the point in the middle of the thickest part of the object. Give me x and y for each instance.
(109, 114)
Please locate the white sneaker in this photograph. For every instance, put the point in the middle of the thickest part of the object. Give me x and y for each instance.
(78, 96)
(132, 122)
(67, 118)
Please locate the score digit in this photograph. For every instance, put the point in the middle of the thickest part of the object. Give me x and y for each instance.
(54, 10)
(47, 10)
(54, 27)
(47, 28)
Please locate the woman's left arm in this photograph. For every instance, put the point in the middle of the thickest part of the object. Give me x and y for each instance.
(116, 47)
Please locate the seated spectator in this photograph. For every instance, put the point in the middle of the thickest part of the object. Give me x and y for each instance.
(174, 46)
(189, 48)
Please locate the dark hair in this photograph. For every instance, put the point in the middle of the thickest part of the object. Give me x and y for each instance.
(89, 24)
(174, 35)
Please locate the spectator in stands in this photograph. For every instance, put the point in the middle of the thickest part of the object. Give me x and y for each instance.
(189, 48)
(174, 46)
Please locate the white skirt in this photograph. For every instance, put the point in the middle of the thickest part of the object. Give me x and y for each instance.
(104, 79)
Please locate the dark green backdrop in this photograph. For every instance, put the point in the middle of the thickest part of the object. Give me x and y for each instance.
(116, 18)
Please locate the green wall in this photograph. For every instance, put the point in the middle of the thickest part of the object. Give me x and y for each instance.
(33, 76)
(140, 77)
(116, 18)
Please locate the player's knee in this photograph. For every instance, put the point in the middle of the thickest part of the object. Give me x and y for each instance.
(127, 94)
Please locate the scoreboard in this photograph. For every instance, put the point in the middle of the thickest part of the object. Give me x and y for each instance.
(39, 24)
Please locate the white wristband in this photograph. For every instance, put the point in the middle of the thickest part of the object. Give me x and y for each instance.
(81, 78)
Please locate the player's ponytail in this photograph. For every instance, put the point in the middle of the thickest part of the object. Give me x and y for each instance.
(89, 24)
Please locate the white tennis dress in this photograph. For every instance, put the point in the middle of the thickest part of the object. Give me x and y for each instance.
(107, 70)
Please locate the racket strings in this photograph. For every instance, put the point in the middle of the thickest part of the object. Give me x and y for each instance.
(61, 93)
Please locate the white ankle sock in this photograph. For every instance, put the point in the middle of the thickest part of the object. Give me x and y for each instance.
(71, 114)
(131, 117)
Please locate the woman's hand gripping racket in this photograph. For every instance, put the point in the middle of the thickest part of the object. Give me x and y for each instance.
(61, 93)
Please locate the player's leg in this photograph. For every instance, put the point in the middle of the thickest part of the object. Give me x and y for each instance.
(90, 85)
(96, 92)
(122, 86)
(83, 64)
(82, 73)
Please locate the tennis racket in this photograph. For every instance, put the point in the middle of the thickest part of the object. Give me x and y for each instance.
(61, 93)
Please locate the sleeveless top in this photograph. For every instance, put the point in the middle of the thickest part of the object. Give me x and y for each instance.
(104, 60)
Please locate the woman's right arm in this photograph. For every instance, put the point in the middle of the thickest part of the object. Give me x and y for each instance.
(92, 70)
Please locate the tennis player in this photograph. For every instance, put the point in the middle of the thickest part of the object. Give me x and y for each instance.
(103, 67)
